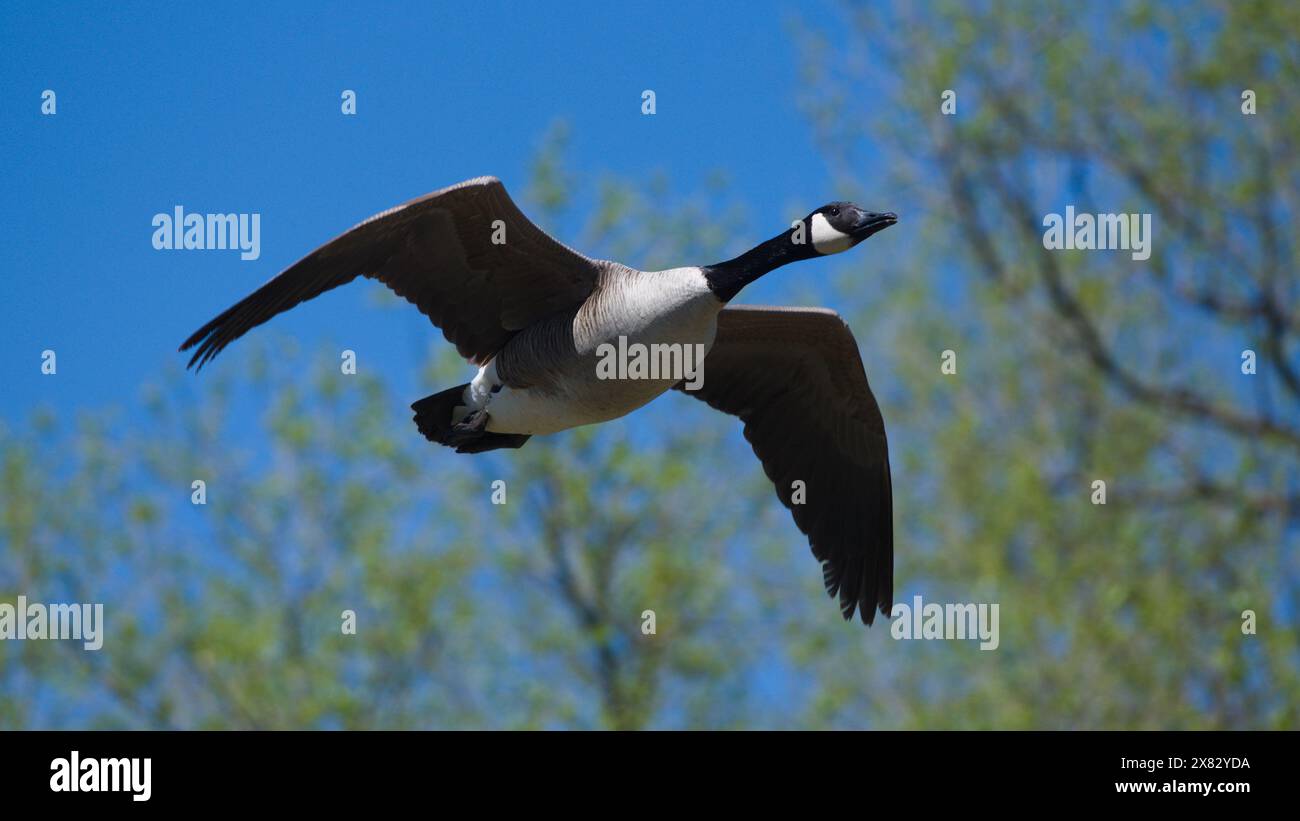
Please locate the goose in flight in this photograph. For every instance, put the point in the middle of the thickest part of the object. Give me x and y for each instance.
(537, 317)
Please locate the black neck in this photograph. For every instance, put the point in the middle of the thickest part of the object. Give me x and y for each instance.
(727, 278)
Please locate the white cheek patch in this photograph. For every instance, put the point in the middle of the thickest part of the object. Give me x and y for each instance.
(827, 240)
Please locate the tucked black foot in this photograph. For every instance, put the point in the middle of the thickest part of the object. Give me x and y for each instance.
(470, 435)
(433, 415)
(470, 428)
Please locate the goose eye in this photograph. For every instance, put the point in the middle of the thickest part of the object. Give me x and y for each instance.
(835, 212)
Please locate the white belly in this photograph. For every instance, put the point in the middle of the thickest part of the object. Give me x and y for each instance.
(527, 411)
(678, 309)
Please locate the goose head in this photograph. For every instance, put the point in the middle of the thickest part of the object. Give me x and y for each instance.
(835, 227)
(838, 226)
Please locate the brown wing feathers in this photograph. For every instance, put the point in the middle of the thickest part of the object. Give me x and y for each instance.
(794, 377)
(441, 252)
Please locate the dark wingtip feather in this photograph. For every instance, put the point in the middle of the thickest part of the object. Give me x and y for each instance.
(194, 359)
(201, 355)
(203, 337)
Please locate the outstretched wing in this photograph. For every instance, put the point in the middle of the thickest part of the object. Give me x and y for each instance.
(795, 378)
(466, 256)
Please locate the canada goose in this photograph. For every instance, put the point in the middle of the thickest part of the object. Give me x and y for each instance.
(532, 314)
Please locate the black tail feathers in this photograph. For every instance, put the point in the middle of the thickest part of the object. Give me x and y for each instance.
(433, 417)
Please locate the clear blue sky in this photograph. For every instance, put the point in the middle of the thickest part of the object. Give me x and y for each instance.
(236, 109)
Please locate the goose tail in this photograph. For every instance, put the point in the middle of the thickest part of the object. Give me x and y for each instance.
(437, 416)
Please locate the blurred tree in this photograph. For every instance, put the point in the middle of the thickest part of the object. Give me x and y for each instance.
(1076, 366)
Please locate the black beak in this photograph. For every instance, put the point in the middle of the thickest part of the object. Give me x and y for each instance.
(870, 223)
